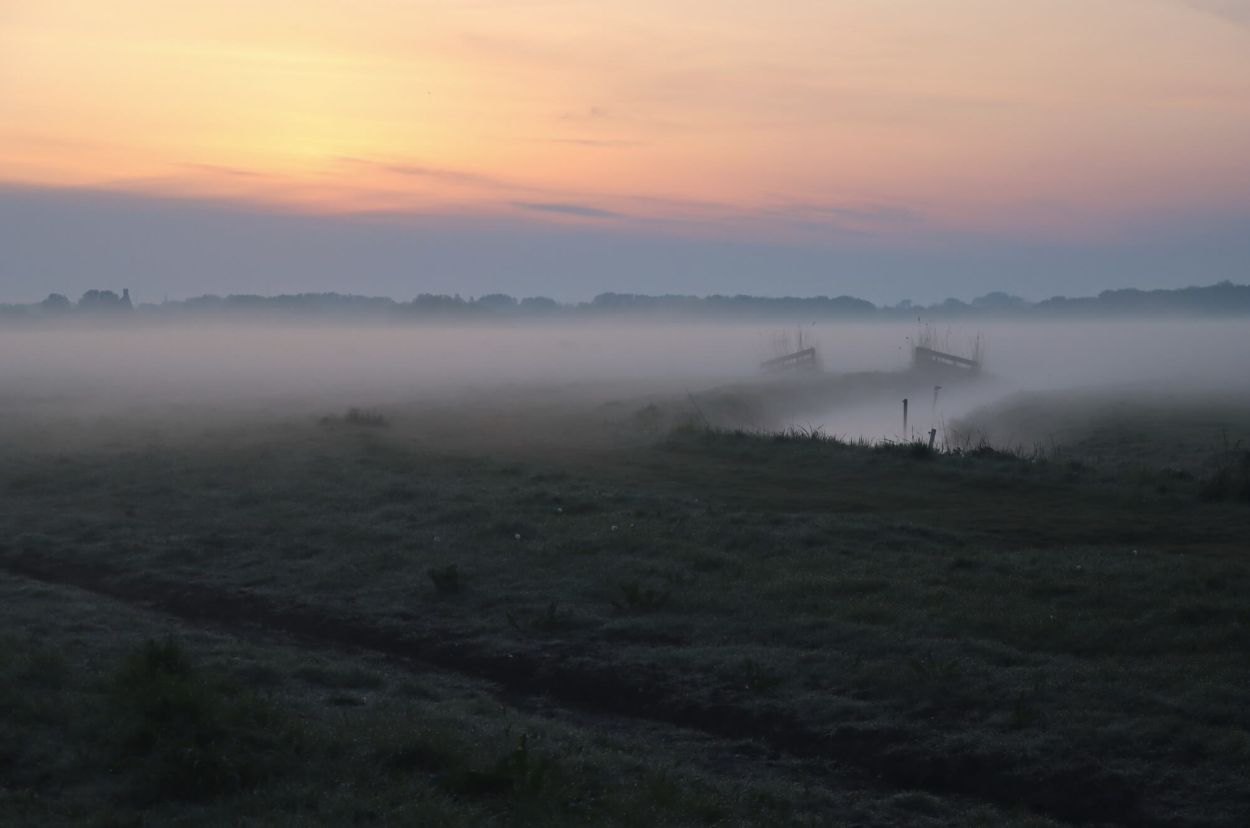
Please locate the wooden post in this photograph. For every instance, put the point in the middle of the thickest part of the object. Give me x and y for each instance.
(904, 418)
(707, 425)
(932, 437)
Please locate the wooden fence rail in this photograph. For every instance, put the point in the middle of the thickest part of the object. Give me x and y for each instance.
(799, 360)
(923, 355)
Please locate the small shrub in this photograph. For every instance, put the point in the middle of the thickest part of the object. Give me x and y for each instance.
(648, 419)
(758, 679)
(637, 597)
(365, 417)
(193, 736)
(1024, 713)
(447, 579)
(551, 619)
(520, 772)
(1230, 481)
(339, 678)
(931, 668)
(156, 658)
(917, 802)
(528, 772)
(1217, 486)
(45, 668)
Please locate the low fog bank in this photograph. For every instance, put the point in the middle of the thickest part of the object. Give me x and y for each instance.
(1123, 360)
(206, 372)
(1154, 426)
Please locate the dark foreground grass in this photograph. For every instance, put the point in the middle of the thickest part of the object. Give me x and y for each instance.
(197, 728)
(802, 630)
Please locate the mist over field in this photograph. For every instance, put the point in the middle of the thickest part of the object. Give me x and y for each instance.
(77, 371)
(238, 552)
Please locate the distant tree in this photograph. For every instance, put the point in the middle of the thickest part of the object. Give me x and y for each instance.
(539, 304)
(952, 306)
(95, 299)
(56, 303)
(851, 305)
(438, 303)
(998, 300)
(104, 300)
(496, 302)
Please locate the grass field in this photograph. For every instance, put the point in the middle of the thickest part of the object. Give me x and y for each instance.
(554, 612)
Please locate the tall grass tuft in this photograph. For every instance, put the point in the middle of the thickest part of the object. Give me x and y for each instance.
(1229, 481)
(447, 579)
(192, 734)
(365, 417)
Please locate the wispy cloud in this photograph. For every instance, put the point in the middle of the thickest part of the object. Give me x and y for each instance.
(592, 142)
(219, 169)
(868, 214)
(567, 209)
(590, 113)
(1237, 11)
(448, 175)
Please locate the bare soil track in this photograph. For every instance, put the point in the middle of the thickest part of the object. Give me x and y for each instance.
(892, 759)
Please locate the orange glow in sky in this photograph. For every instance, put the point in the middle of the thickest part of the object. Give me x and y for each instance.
(1060, 114)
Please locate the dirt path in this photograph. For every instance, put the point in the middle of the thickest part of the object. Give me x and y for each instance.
(889, 759)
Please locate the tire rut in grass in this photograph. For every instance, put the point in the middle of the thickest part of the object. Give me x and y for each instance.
(894, 758)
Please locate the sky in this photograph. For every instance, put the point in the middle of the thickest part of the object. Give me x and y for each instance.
(888, 149)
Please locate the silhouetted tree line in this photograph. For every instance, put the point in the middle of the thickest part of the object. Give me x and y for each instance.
(1223, 299)
(93, 301)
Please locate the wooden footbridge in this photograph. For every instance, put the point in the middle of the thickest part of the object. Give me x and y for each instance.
(804, 360)
(927, 357)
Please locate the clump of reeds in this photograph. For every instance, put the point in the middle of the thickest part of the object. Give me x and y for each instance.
(1230, 480)
(929, 337)
(363, 417)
